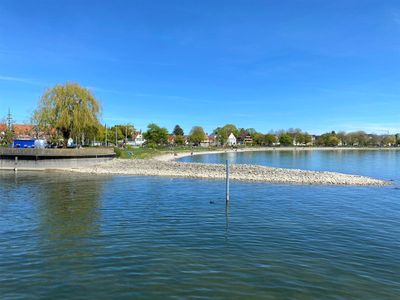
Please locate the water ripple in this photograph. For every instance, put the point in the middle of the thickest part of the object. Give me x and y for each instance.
(130, 237)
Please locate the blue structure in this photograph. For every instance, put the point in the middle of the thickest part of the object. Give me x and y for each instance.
(23, 144)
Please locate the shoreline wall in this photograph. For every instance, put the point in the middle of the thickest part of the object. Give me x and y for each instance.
(8, 164)
(31, 159)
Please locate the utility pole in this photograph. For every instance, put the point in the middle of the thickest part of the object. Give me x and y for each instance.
(9, 130)
(9, 120)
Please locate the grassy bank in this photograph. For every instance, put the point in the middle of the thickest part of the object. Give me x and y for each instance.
(147, 153)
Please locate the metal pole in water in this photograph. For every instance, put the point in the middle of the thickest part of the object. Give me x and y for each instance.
(16, 164)
(227, 181)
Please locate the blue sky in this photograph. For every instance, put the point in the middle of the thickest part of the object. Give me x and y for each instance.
(317, 65)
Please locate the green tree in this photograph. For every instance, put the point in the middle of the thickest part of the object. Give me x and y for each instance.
(329, 139)
(225, 131)
(286, 140)
(307, 138)
(294, 132)
(179, 140)
(303, 138)
(258, 138)
(341, 135)
(116, 131)
(270, 139)
(197, 135)
(156, 135)
(178, 131)
(8, 137)
(121, 130)
(251, 131)
(70, 109)
(374, 140)
(241, 131)
(357, 138)
(332, 141)
(389, 140)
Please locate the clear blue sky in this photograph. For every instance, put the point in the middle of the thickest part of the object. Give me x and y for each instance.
(317, 65)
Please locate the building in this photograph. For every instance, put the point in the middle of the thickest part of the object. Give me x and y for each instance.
(20, 131)
(245, 139)
(205, 142)
(213, 140)
(137, 140)
(24, 131)
(171, 139)
(231, 141)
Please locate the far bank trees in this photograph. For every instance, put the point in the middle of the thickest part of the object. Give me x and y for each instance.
(178, 131)
(224, 132)
(156, 135)
(286, 140)
(197, 135)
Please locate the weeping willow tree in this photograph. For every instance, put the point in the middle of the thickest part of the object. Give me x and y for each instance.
(68, 110)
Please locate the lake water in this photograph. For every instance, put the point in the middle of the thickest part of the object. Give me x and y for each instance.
(72, 236)
(381, 164)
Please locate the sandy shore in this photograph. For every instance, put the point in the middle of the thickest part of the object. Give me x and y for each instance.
(244, 172)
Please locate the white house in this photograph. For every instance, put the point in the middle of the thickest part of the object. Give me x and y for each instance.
(231, 141)
(137, 140)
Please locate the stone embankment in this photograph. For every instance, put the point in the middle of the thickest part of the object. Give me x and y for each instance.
(242, 172)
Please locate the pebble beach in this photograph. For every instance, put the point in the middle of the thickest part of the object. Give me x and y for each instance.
(244, 172)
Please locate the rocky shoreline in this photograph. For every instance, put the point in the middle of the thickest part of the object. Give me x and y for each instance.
(243, 172)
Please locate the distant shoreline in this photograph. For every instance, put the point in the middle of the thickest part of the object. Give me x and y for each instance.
(175, 156)
(165, 165)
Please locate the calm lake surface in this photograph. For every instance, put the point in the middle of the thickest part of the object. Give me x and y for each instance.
(72, 236)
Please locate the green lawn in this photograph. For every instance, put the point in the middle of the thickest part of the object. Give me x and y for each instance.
(146, 153)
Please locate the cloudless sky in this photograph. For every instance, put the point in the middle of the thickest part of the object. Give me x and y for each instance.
(314, 64)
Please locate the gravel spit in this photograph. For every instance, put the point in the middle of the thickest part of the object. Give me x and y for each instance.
(243, 172)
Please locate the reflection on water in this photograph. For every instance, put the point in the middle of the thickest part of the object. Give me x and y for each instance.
(70, 209)
(92, 237)
(49, 220)
(69, 220)
(227, 220)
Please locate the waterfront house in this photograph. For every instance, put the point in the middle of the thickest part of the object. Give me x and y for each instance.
(245, 139)
(137, 140)
(171, 139)
(213, 140)
(24, 131)
(205, 142)
(231, 141)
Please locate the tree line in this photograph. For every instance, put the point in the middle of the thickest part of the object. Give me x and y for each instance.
(156, 135)
(71, 111)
